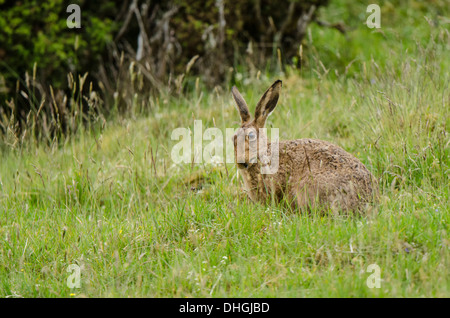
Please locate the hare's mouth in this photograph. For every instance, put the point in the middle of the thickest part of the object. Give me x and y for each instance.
(246, 165)
(243, 165)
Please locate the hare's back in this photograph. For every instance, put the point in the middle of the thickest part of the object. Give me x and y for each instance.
(319, 157)
(337, 175)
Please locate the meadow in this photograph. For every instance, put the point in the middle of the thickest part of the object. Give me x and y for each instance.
(111, 200)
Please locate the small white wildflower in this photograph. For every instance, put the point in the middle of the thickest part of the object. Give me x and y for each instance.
(216, 160)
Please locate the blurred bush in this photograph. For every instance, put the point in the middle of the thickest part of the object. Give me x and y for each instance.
(161, 42)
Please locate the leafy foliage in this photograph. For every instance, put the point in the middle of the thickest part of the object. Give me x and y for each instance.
(35, 32)
(163, 40)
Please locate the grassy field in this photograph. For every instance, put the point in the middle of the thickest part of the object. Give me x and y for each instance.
(112, 201)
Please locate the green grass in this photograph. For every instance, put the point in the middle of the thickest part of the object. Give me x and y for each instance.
(111, 200)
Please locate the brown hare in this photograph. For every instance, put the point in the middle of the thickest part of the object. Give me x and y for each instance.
(308, 173)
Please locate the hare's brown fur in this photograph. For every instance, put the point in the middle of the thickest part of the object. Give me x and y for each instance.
(311, 173)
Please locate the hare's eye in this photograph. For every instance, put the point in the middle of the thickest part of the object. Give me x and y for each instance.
(251, 136)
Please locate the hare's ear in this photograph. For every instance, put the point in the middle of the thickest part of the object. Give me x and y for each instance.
(241, 105)
(267, 103)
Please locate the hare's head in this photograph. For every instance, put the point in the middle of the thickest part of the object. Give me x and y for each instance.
(250, 140)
